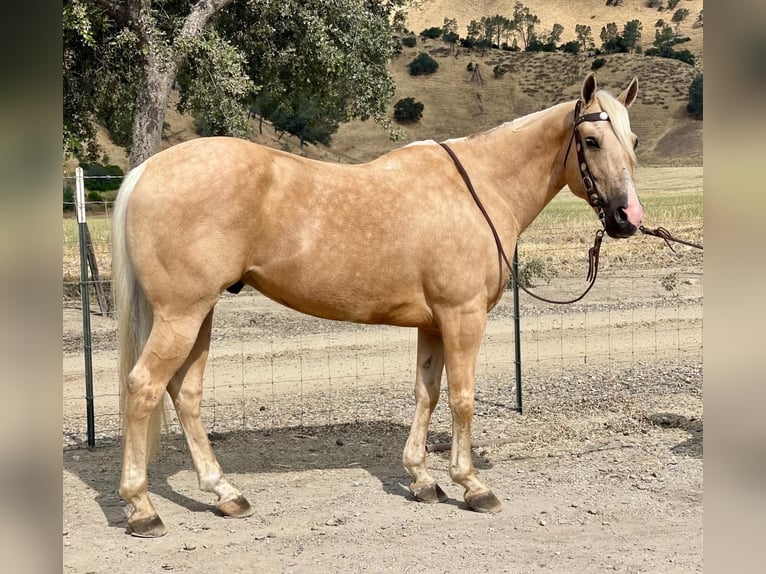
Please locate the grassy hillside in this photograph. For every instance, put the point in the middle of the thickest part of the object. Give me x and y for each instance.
(456, 105)
(568, 13)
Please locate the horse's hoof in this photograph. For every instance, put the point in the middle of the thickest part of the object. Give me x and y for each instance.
(484, 502)
(430, 493)
(151, 527)
(236, 507)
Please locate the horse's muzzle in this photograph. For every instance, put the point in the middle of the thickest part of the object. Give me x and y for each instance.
(623, 217)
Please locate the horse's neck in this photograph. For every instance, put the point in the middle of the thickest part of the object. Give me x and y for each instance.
(524, 163)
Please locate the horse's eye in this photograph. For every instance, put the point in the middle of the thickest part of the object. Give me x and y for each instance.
(591, 142)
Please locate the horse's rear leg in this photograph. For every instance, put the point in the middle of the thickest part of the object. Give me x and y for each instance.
(462, 339)
(166, 350)
(186, 391)
(427, 383)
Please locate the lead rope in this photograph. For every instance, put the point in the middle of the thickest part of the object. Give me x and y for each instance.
(665, 235)
(593, 252)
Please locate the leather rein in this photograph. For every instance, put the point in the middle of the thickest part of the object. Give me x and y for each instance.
(594, 199)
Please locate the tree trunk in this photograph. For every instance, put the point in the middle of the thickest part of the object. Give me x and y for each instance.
(151, 104)
(163, 60)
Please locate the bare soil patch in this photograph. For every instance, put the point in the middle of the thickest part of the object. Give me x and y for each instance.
(604, 471)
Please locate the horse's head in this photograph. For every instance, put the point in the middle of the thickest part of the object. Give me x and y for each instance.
(601, 156)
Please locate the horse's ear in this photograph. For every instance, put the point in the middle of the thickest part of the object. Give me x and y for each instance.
(629, 95)
(588, 89)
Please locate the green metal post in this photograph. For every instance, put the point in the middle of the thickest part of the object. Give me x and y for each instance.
(517, 329)
(85, 298)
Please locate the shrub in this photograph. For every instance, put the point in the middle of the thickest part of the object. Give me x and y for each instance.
(597, 63)
(423, 64)
(572, 47)
(451, 37)
(69, 196)
(531, 270)
(408, 110)
(498, 71)
(100, 177)
(469, 67)
(410, 41)
(433, 33)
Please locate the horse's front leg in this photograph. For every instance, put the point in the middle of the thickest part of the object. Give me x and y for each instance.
(462, 333)
(427, 384)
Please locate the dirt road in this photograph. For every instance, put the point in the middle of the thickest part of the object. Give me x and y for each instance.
(602, 472)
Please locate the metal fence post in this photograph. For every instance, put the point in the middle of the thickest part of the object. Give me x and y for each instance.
(517, 328)
(85, 298)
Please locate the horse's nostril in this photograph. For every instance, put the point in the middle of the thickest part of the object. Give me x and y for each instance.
(620, 215)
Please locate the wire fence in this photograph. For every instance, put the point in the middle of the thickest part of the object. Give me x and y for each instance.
(270, 367)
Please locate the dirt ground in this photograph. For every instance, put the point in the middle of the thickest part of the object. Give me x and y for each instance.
(603, 471)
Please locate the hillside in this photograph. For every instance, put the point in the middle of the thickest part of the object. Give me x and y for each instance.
(568, 13)
(456, 106)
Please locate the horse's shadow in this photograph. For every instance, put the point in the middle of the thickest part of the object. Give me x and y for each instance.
(375, 447)
(693, 446)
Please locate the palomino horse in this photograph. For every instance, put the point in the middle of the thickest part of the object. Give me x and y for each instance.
(397, 241)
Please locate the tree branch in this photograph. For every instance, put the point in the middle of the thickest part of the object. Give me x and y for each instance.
(200, 15)
(117, 9)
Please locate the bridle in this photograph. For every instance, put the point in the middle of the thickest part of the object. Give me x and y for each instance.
(595, 199)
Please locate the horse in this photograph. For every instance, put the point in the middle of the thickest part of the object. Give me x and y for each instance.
(397, 241)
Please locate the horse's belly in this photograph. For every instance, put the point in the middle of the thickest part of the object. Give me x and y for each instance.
(344, 297)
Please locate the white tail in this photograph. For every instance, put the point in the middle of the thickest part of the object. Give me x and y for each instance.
(134, 316)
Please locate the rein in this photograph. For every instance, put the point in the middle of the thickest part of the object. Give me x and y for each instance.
(593, 252)
(665, 235)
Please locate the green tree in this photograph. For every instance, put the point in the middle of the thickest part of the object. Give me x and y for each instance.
(524, 22)
(449, 32)
(611, 40)
(122, 58)
(474, 32)
(694, 107)
(555, 35)
(305, 120)
(631, 34)
(664, 40)
(679, 16)
(585, 37)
